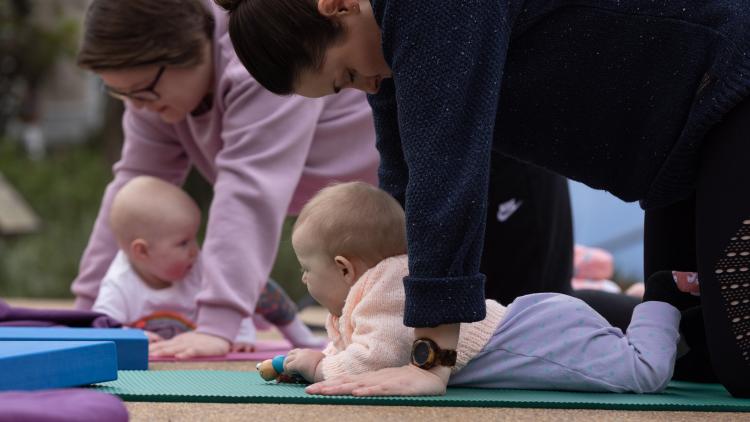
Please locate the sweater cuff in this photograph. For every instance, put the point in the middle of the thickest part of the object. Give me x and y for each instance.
(219, 321)
(435, 301)
(83, 303)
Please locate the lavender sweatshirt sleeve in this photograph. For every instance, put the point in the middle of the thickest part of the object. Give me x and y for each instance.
(150, 147)
(266, 140)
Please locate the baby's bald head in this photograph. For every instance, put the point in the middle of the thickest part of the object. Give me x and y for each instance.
(148, 207)
(355, 219)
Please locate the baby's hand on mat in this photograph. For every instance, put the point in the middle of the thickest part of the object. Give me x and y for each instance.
(401, 381)
(190, 344)
(242, 347)
(303, 362)
(153, 337)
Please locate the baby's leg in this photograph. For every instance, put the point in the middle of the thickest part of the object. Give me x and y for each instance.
(278, 309)
(275, 305)
(556, 342)
(652, 339)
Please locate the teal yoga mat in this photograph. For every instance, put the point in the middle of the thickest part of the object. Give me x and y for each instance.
(248, 387)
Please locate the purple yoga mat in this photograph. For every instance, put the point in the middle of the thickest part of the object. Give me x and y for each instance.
(264, 349)
(68, 405)
(26, 317)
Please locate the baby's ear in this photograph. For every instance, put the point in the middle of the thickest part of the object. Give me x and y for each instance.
(346, 268)
(334, 8)
(139, 249)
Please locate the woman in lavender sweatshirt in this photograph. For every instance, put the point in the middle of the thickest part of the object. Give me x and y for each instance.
(189, 102)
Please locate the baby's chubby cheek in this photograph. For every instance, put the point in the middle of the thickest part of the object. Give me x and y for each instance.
(177, 270)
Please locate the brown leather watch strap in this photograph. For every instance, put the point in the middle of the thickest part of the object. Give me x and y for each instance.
(446, 357)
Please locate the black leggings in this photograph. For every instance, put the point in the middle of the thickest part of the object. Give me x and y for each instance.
(528, 244)
(710, 233)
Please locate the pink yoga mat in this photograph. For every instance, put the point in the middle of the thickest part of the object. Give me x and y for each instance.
(264, 349)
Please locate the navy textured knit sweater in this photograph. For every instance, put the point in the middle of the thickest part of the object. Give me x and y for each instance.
(616, 94)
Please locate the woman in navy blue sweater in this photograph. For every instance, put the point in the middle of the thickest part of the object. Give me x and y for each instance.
(644, 99)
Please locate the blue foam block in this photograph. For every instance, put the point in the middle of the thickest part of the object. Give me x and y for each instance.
(35, 365)
(132, 345)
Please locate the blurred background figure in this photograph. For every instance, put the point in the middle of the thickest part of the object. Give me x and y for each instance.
(593, 269)
(609, 238)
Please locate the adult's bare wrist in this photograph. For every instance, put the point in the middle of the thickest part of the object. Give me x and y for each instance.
(446, 335)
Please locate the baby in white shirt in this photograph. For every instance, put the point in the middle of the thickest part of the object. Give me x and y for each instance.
(154, 280)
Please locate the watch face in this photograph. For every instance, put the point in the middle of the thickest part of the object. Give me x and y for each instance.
(421, 352)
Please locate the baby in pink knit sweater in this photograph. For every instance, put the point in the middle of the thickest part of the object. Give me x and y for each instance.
(340, 235)
(351, 242)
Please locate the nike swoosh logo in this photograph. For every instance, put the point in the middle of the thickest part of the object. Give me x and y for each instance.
(507, 209)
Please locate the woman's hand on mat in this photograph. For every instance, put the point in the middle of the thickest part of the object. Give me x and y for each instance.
(191, 344)
(303, 362)
(401, 381)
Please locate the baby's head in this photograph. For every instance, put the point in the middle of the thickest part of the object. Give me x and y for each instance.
(156, 224)
(342, 232)
(308, 47)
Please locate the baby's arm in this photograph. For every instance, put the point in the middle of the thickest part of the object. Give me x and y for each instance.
(152, 336)
(305, 362)
(111, 301)
(379, 338)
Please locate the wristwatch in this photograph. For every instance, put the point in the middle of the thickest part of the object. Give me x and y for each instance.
(425, 354)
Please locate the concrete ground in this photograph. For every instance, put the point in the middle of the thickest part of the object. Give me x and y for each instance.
(205, 412)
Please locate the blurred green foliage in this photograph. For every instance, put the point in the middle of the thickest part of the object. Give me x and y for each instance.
(287, 270)
(29, 48)
(64, 189)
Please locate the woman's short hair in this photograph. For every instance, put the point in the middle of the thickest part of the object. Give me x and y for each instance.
(120, 34)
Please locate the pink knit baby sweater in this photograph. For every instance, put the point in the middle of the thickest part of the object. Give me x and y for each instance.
(370, 333)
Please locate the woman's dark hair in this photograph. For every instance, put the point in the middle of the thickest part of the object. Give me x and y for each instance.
(276, 40)
(122, 34)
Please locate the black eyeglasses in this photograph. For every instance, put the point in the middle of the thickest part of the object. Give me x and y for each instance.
(146, 94)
